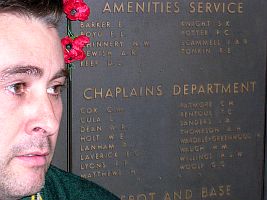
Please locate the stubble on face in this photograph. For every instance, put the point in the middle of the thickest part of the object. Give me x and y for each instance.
(11, 185)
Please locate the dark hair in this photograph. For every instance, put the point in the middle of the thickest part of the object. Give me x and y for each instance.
(48, 11)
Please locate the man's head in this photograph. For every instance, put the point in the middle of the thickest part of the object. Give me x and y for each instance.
(31, 75)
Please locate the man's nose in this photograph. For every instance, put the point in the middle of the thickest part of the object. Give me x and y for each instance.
(42, 115)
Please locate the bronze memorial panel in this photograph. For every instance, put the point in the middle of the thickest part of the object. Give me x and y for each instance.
(169, 103)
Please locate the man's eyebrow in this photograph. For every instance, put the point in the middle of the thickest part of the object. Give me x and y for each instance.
(17, 70)
(30, 70)
(62, 73)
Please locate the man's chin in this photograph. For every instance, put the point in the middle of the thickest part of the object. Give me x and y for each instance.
(24, 181)
(34, 178)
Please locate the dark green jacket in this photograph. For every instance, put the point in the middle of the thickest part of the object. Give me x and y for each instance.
(60, 185)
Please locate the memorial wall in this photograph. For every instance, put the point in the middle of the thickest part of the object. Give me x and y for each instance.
(169, 103)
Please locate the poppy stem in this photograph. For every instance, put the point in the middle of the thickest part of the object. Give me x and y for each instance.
(69, 121)
(69, 29)
(69, 106)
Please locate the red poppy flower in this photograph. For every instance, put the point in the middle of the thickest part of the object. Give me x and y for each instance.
(76, 10)
(73, 48)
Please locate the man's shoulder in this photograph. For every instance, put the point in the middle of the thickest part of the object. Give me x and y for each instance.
(65, 185)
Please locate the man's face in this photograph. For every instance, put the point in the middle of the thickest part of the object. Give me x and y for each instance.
(31, 75)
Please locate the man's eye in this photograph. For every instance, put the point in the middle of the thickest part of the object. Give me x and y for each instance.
(17, 88)
(55, 90)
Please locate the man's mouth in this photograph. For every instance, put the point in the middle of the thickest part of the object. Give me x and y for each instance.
(33, 159)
